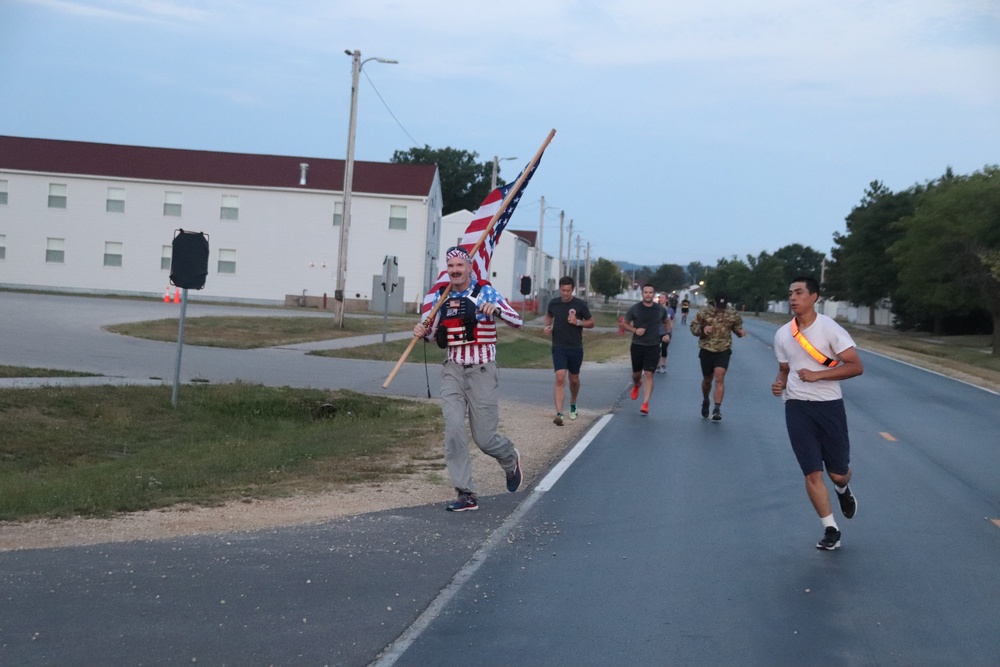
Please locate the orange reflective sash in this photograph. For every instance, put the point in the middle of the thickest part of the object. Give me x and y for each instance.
(808, 347)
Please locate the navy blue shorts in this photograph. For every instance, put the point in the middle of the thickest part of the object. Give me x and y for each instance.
(818, 433)
(567, 359)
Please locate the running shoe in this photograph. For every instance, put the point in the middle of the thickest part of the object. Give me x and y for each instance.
(704, 409)
(514, 476)
(558, 421)
(573, 414)
(831, 539)
(644, 409)
(464, 503)
(635, 391)
(848, 503)
(717, 415)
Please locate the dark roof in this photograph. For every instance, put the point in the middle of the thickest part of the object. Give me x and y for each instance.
(528, 236)
(192, 166)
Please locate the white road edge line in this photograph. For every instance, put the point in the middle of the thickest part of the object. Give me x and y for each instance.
(396, 649)
(921, 368)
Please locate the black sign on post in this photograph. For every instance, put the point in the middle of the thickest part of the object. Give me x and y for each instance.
(525, 285)
(189, 259)
(188, 270)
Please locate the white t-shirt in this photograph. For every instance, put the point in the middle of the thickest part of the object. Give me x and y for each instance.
(826, 336)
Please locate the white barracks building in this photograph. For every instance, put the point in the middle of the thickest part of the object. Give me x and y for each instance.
(100, 218)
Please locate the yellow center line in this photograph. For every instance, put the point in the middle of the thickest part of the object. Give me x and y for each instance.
(887, 436)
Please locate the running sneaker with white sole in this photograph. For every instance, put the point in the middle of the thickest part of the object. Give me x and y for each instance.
(464, 503)
(831, 539)
(514, 476)
(704, 409)
(848, 503)
(558, 421)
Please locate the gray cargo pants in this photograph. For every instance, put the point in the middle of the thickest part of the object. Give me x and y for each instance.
(472, 391)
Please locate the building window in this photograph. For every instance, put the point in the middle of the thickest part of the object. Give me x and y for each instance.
(172, 202)
(113, 253)
(57, 195)
(397, 217)
(338, 214)
(116, 200)
(3, 246)
(227, 261)
(166, 254)
(55, 251)
(3, 193)
(230, 207)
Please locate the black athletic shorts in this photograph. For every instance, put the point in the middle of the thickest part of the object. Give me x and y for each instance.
(645, 357)
(567, 359)
(818, 433)
(712, 360)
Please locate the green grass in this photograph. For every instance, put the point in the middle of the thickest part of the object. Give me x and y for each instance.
(101, 450)
(522, 348)
(968, 354)
(254, 332)
(25, 372)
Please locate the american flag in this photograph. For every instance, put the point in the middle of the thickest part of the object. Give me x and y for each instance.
(481, 260)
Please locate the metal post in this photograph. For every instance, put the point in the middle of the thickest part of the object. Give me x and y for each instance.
(180, 347)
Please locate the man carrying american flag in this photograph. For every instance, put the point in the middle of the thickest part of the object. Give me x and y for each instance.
(466, 326)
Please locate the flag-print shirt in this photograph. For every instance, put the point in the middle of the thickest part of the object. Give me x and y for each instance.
(484, 350)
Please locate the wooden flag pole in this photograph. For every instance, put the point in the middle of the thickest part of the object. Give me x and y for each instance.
(482, 239)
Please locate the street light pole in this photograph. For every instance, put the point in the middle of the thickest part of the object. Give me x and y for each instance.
(496, 167)
(345, 223)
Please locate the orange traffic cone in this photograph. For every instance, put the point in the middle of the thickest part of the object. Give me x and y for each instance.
(177, 295)
(166, 295)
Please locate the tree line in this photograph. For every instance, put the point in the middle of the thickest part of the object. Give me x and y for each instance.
(931, 252)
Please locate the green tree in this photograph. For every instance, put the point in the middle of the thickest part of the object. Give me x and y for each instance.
(766, 281)
(464, 181)
(948, 251)
(606, 278)
(695, 271)
(798, 260)
(729, 276)
(862, 271)
(668, 277)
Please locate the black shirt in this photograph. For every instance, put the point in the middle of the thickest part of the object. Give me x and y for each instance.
(565, 334)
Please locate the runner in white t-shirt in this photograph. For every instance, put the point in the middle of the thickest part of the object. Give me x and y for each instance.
(814, 353)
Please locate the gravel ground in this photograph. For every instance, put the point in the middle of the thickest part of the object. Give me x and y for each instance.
(540, 442)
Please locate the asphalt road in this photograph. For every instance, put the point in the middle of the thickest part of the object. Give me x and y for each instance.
(669, 540)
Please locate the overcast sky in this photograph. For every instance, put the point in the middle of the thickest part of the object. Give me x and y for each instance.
(686, 131)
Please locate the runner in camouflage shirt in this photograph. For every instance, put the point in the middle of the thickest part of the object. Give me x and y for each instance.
(714, 325)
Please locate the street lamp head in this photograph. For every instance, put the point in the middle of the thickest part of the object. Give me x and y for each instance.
(348, 52)
(387, 61)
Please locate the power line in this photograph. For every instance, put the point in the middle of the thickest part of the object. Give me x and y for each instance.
(415, 142)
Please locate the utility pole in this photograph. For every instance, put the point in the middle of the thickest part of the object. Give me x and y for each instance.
(345, 223)
(540, 256)
(588, 268)
(562, 219)
(569, 247)
(576, 270)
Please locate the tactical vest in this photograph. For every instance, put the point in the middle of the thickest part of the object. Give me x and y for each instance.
(459, 324)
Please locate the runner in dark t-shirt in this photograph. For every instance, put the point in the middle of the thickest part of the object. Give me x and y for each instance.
(644, 320)
(566, 318)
